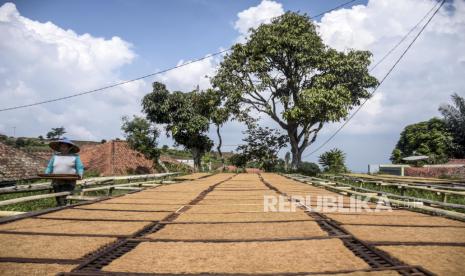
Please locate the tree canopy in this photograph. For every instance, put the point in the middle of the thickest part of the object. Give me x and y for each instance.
(284, 70)
(142, 136)
(186, 118)
(262, 146)
(219, 114)
(454, 118)
(333, 161)
(429, 138)
(56, 133)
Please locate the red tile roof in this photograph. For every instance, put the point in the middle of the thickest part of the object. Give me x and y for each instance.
(16, 164)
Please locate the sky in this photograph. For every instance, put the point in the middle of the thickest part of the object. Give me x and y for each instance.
(51, 49)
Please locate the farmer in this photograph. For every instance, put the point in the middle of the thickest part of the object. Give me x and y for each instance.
(64, 161)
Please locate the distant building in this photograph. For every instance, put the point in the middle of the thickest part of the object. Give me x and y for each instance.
(16, 164)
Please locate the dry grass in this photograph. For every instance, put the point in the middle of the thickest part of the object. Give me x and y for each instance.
(191, 176)
(213, 209)
(55, 247)
(131, 207)
(73, 227)
(109, 215)
(249, 257)
(147, 201)
(22, 269)
(242, 231)
(407, 234)
(243, 217)
(391, 218)
(230, 201)
(442, 260)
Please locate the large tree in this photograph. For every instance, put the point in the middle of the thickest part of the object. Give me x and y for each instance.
(185, 115)
(285, 71)
(430, 138)
(262, 146)
(142, 136)
(454, 117)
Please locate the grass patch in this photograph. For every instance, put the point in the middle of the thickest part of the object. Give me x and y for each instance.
(30, 205)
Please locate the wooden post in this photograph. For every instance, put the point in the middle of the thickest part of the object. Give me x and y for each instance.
(444, 197)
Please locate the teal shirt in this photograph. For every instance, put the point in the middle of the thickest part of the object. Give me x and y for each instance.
(78, 165)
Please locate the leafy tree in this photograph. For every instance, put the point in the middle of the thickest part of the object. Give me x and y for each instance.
(333, 161)
(185, 115)
(285, 71)
(20, 142)
(165, 148)
(454, 117)
(429, 138)
(219, 115)
(56, 133)
(263, 145)
(239, 160)
(142, 137)
(308, 168)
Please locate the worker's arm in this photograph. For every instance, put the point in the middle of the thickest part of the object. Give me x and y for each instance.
(79, 166)
(49, 168)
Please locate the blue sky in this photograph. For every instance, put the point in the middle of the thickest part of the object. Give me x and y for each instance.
(162, 32)
(52, 49)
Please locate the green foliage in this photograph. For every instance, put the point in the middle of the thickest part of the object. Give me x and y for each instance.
(333, 161)
(454, 118)
(219, 115)
(141, 136)
(22, 142)
(239, 160)
(186, 117)
(429, 138)
(263, 145)
(88, 174)
(56, 133)
(308, 168)
(285, 71)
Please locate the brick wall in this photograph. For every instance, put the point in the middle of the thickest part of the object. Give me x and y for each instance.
(115, 158)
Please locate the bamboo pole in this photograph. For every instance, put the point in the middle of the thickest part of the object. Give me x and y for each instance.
(31, 198)
(414, 205)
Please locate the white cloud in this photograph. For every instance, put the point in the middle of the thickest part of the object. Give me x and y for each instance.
(187, 78)
(40, 61)
(255, 16)
(430, 72)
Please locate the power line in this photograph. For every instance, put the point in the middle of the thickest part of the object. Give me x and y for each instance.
(403, 38)
(380, 83)
(115, 84)
(145, 76)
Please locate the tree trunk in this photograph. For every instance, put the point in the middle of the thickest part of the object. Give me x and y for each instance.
(220, 142)
(197, 159)
(296, 153)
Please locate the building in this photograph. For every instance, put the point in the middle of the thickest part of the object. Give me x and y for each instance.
(16, 164)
